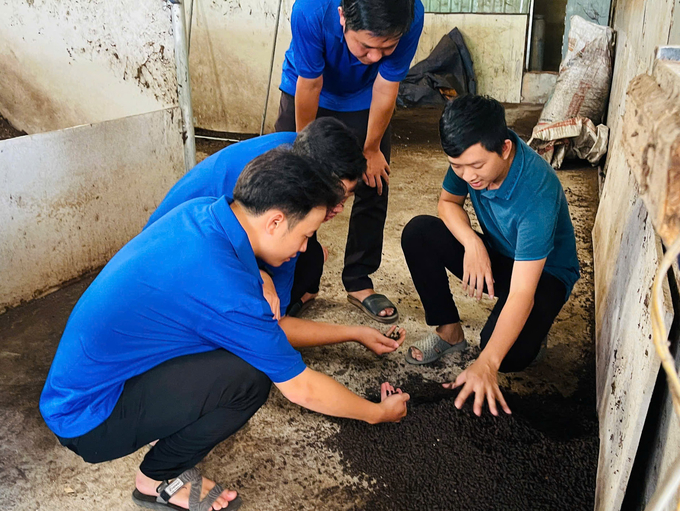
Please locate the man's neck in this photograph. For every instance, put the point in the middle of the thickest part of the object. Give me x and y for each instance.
(499, 180)
(246, 222)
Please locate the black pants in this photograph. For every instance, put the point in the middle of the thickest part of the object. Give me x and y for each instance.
(363, 251)
(430, 249)
(308, 271)
(189, 404)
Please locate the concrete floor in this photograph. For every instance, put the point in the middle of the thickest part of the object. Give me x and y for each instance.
(278, 460)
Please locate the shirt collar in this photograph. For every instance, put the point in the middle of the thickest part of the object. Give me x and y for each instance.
(510, 182)
(227, 222)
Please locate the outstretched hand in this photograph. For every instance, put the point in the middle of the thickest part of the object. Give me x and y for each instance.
(393, 402)
(481, 378)
(379, 343)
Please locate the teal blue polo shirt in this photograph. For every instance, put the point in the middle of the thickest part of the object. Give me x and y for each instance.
(318, 48)
(188, 284)
(527, 217)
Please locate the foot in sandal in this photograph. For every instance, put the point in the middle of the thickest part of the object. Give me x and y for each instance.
(446, 339)
(376, 306)
(180, 496)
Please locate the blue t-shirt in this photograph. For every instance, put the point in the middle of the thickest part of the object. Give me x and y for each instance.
(527, 217)
(216, 176)
(188, 284)
(318, 48)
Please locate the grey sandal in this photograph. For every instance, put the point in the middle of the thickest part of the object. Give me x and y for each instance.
(167, 490)
(373, 305)
(433, 348)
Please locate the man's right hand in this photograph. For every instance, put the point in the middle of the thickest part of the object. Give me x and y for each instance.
(392, 403)
(477, 269)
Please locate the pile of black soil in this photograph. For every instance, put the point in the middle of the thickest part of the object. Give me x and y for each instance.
(7, 130)
(542, 457)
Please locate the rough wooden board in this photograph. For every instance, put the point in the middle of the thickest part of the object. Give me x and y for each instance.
(627, 252)
(651, 141)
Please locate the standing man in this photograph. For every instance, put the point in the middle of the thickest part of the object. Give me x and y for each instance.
(346, 60)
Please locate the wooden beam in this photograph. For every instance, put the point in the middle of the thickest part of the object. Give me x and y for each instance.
(651, 142)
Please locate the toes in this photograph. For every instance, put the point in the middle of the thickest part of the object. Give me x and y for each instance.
(416, 353)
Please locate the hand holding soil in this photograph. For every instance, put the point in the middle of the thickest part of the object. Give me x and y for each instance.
(481, 378)
(379, 343)
(393, 402)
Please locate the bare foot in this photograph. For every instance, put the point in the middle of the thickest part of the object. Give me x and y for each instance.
(365, 293)
(451, 333)
(308, 296)
(148, 486)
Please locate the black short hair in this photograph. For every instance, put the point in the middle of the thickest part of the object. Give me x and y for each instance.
(333, 146)
(294, 184)
(468, 120)
(383, 18)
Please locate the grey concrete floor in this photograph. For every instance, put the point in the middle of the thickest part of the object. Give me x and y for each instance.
(278, 460)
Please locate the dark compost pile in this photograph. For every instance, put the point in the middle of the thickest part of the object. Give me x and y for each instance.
(542, 457)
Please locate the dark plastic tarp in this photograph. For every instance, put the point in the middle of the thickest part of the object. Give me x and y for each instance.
(449, 66)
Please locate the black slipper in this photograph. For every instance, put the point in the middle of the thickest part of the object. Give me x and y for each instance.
(373, 305)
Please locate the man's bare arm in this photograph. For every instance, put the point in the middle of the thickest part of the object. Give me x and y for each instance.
(307, 92)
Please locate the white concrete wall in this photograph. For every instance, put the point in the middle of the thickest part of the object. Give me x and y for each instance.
(70, 62)
(641, 25)
(70, 199)
(231, 49)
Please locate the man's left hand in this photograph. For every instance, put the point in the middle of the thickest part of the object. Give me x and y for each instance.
(377, 169)
(379, 343)
(481, 378)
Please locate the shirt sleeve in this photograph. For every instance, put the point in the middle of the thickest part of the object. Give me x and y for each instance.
(536, 231)
(394, 68)
(454, 185)
(308, 37)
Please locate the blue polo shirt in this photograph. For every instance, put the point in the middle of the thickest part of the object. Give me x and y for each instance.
(318, 48)
(216, 176)
(187, 284)
(527, 217)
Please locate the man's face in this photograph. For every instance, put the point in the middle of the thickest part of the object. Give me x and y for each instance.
(285, 243)
(365, 46)
(480, 168)
(349, 187)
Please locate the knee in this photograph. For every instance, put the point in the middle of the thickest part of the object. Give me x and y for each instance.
(254, 386)
(412, 237)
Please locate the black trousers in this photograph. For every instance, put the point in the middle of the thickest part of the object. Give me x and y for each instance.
(363, 251)
(189, 404)
(430, 249)
(308, 271)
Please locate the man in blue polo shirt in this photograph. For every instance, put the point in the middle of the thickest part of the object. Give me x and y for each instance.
(526, 255)
(174, 342)
(346, 60)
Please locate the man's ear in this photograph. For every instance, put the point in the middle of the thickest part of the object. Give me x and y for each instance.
(507, 148)
(342, 18)
(275, 221)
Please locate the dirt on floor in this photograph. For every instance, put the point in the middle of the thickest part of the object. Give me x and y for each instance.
(542, 457)
(7, 130)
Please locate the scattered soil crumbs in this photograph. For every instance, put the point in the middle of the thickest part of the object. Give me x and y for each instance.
(542, 457)
(7, 130)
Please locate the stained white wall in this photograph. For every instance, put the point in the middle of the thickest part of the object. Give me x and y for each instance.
(70, 62)
(70, 199)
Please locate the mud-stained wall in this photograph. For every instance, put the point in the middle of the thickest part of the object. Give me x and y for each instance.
(640, 25)
(231, 47)
(70, 199)
(70, 62)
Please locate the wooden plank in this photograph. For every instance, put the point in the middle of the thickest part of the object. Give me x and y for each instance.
(651, 141)
(626, 253)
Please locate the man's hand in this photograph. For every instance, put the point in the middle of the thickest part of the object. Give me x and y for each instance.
(379, 343)
(393, 403)
(477, 269)
(377, 169)
(270, 294)
(482, 379)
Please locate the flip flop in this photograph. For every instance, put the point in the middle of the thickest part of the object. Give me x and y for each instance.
(433, 348)
(373, 305)
(296, 309)
(166, 490)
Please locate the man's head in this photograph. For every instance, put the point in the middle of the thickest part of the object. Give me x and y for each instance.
(373, 27)
(287, 196)
(329, 142)
(476, 140)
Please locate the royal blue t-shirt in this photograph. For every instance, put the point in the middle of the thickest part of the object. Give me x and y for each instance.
(318, 48)
(187, 284)
(527, 217)
(216, 176)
